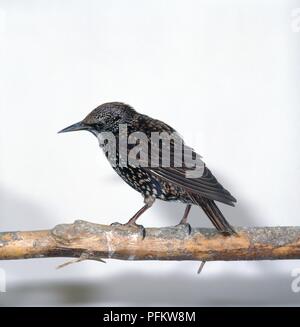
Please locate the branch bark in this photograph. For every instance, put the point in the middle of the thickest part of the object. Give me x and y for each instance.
(85, 240)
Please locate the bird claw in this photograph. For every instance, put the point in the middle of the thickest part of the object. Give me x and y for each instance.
(186, 226)
(141, 228)
(116, 224)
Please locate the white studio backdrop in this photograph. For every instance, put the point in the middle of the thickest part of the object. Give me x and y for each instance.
(225, 74)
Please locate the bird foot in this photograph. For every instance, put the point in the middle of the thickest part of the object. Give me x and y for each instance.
(140, 228)
(116, 224)
(185, 226)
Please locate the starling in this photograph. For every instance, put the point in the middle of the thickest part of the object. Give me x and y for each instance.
(159, 181)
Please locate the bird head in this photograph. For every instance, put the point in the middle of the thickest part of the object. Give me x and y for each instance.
(105, 118)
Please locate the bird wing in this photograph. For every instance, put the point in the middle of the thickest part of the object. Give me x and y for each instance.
(205, 184)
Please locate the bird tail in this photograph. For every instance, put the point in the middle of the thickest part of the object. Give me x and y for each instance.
(215, 215)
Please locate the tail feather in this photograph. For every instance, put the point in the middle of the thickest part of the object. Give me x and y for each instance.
(215, 215)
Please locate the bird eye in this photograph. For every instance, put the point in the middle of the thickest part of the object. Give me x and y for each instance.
(97, 126)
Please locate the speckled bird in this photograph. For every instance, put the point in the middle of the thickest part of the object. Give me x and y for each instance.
(164, 183)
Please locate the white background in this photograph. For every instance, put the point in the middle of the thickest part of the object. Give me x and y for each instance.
(225, 74)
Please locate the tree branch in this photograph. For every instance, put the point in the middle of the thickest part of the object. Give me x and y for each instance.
(86, 240)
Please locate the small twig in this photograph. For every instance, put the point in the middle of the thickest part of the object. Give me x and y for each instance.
(201, 267)
(83, 256)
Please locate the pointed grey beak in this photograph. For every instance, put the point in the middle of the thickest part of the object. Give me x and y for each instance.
(75, 127)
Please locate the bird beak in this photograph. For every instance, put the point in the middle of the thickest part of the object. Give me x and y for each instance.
(75, 127)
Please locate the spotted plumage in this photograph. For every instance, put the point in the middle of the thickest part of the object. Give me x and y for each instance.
(168, 183)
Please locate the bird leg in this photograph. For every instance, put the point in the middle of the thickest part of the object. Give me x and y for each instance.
(185, 215)
(132, 221)
(183, 221)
